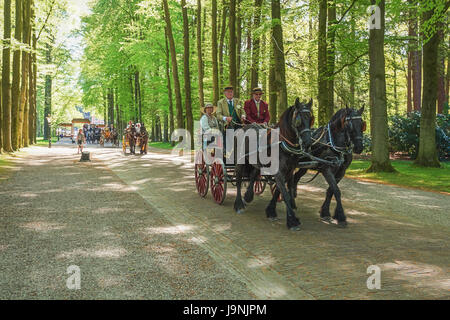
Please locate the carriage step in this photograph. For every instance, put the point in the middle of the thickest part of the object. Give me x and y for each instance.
(308, 165)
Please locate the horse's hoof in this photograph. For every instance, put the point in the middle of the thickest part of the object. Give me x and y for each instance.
(342, 224)
(240, 211)
(326, 219)
(295, 228)
(273, 219)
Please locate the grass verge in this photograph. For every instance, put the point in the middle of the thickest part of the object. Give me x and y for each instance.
(44, 142)
(408, 175)
(161, 145)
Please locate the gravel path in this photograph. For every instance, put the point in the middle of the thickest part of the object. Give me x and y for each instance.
(57, 212)
(137, 229)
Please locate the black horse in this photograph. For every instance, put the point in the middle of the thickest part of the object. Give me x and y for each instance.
(334, 143)
(131, 136)
(143, 140)
(294, 126)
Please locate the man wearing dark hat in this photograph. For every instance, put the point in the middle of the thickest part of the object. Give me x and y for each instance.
(229, 111)
(256, 110)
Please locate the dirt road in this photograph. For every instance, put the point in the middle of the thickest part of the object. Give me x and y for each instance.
(137, 229)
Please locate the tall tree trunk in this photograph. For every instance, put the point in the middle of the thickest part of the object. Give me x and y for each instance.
(105, 108)
(256, 43)
(351, 69)
(415, 56)
(263, 62)
(187, 73)
(15, 91)
(48, 88)
(311, 37)
(201, 96)
(322, 64)
(166, 127)
(427, 155)
(278, 56)
(441, 73)
(6, 85)
(33, 84)
(221, 44)
(409, 85)
(238, 48)
(331, 56)
(173, 55)
(215, 67)
(378, 106)
(249, 56)
(169, 88)
(447, 81)
(34, 113)
(110, 106)
(395, 90)
(116, 100)
(136, 85)
(232, 44)
(137, 89)
(24, 101)
(1, 123)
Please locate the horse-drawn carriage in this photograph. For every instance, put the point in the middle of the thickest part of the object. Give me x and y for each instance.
(111, 136)
(133, 138)
(328, 150)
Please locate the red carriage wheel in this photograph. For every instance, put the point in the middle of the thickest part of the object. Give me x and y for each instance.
(259, 186)
(218, 180)
(273, 187)
(201, 175)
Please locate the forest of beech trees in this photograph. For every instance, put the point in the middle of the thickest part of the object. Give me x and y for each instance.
(157, 61)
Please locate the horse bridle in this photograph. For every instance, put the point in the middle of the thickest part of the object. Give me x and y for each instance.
(349, 120)
(299, 134)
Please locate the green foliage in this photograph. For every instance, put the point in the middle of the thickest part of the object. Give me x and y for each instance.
(404, 134)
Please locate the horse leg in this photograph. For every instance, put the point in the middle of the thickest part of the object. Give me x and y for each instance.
(339, 214)
(291, 189)
(271, 211)
(239, 205)
(325, 209)
(291, 220)
(250, 193)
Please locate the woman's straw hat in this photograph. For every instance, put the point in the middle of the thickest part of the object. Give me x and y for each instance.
(208, 105)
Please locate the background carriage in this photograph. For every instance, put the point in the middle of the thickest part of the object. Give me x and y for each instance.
(109, 136)
(140, 140)
(126, 143)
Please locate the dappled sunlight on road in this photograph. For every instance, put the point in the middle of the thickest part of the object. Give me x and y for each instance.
(144, 210)
(110, 252)
(418, 274)
(42, 226)
(169, 230)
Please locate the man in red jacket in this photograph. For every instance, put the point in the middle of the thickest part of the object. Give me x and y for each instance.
(257, 110)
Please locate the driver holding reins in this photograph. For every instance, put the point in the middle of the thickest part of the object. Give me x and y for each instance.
(230, 113)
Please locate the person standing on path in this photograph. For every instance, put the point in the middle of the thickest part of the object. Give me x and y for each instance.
(81, 139)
